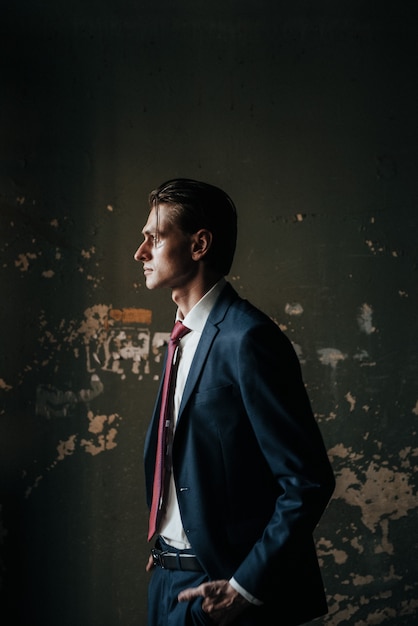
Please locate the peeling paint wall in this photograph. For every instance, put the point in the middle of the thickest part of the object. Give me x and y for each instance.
(306, 115)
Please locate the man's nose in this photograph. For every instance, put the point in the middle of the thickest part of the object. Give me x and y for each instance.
(141, 253)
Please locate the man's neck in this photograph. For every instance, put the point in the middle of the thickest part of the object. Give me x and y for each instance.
(187, 297)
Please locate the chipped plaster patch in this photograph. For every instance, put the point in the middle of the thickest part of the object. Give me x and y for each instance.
(391, 575)
(87, 254)
(23, 261)
(321, 416)
(374, 246)
(338, 614)
(104, 430)
(365, 319)
(293, 308)
(4, 385)
(355, 543)
(103, 443)
(351, 401)
(342, 452)
(331, 356)
(104, 440)
(363, 355)
(95, 320)
(364, 359)
(385, 546)
(406, 455)
(405, 452)
(415, 409)
(377, 617)
(361, 580)
(325, 548)
(409, 607)
(66, 448)
(381, 493)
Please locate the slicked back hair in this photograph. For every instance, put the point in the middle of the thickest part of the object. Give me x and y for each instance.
(195, 205)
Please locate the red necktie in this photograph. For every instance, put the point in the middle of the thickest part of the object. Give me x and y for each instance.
(178, 332)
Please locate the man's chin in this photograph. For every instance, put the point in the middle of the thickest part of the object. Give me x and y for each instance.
(150, 283)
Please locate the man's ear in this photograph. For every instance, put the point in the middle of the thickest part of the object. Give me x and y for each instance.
(201, 243)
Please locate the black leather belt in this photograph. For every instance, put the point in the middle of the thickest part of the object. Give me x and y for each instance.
(175, 560)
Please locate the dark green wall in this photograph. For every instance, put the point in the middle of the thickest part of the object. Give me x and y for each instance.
(306, 114)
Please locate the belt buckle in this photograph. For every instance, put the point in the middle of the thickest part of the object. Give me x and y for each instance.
(157, 558)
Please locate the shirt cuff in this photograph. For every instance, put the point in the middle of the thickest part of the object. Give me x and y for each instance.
(244, 592)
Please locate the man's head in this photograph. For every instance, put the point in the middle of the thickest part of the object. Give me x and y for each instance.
(194, 205)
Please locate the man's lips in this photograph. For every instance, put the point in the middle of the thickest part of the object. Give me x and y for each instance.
(147, 270)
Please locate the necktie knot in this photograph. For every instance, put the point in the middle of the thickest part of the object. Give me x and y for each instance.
(178, 331)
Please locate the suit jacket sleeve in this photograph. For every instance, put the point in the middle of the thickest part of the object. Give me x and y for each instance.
(277, 406)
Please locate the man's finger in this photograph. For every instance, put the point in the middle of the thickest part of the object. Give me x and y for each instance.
(192, 592)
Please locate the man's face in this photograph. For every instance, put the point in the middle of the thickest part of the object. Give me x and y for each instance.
(166, 252)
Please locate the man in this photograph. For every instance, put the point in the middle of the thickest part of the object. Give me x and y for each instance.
(250, 477)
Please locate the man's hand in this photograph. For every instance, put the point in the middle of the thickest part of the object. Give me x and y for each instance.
(220, 600)
(150, 564)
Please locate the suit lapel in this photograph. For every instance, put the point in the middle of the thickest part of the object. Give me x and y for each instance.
(209, 333)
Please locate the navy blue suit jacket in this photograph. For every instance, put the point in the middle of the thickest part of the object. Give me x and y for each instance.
(251, 471)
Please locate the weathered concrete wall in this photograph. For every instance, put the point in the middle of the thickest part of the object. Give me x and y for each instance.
(307, 117)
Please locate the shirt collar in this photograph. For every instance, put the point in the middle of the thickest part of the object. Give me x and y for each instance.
(198, 315)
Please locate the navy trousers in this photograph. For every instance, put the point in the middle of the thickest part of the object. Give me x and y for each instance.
(165, 610)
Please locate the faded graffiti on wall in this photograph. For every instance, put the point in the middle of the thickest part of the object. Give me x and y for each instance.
(109, 343)
(118, 341)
